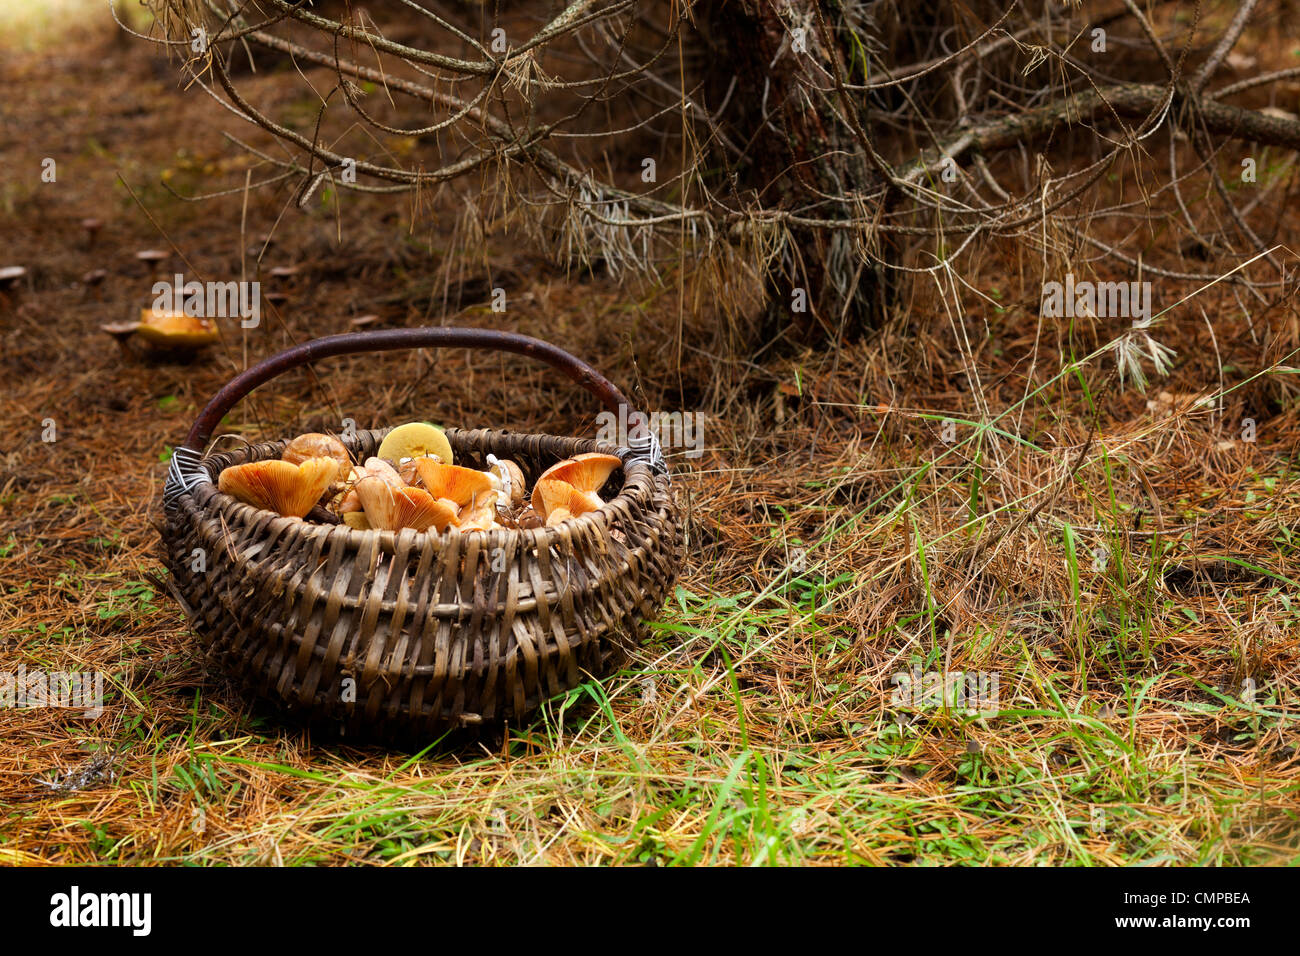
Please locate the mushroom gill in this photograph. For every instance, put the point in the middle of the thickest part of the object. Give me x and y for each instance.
(388, 508)
(586, 473)
(287, 489)
(471, 492)
(558, 501)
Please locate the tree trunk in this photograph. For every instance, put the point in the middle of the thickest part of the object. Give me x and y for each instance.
(797, 153)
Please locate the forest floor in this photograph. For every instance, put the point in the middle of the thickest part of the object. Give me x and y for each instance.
(972, 492)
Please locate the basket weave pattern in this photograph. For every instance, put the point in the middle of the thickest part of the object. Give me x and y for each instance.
(400, 633)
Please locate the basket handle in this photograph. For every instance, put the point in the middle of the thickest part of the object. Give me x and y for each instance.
(185, 470)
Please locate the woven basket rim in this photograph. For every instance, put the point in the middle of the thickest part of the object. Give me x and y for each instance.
(637, 492)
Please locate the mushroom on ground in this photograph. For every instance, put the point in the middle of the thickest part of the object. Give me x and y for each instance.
(121, 332)
(9, 276)
(290, 490)
(415, 440)
(153, 258)
(586, 473)
(92, 227)
(276, 299)
(175, 330)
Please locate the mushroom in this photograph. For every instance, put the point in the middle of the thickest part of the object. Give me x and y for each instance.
(481, 517)
(152, 258)
(284, 272)
(409, 473)
(415, 440)
(322, 515)
(175, 330)
(528, 519)
(389, 508)
(290, 490)
(94, 277)
(121, 332)
(9, 276)
(508, 480)
(560, 501)
(316, 445)
(92, 227)
(375, 469)
(585, 473)
(470, 492)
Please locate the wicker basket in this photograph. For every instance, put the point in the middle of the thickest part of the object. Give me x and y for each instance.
(410, 634)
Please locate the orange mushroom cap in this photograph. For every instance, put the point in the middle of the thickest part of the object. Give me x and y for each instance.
(465, 486)
(472, 492)
(478, 519)
(389, 508)
(586, 473)
(288, 489)
(561, 498)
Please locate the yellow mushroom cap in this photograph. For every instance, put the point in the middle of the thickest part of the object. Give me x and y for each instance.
(586, 472)
(175, 329)
(288, 489)
(316, 445)
(390, 508)
(415, 440)
(357, 520)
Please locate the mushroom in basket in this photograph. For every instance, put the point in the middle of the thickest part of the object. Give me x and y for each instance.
(316, 445)
(415, 440)
(288, 489)
(470, 492)
(570, 488)
(349, 505)
(389, 509)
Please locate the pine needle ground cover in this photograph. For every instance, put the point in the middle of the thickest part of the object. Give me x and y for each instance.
(953, 593)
